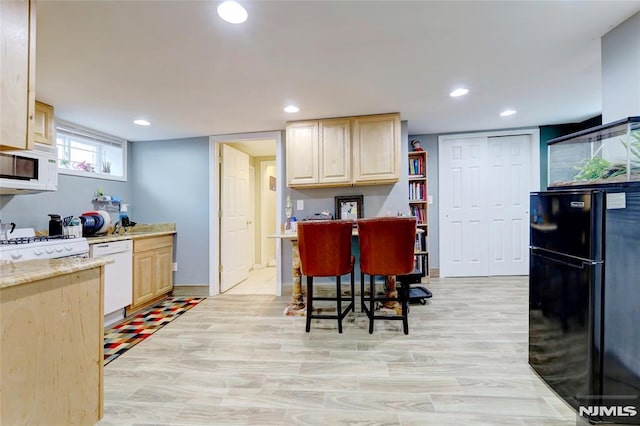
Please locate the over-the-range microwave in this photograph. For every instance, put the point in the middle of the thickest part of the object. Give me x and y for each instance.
(22, 172)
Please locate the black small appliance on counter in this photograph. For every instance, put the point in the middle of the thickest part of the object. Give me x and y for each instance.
(55, 225)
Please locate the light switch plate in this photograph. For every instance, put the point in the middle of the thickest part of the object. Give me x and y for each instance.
(300, 205)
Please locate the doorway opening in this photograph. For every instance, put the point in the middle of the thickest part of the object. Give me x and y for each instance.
(244, 211)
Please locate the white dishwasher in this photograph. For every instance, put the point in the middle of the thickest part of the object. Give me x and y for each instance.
(118, 277)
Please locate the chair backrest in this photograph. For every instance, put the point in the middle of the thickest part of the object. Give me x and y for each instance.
(325, 247)
(387, 245)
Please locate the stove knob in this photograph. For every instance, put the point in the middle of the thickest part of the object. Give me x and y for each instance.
(15, 255)
(37, 252)
(59, 249)
(49, 250)
(68, 248)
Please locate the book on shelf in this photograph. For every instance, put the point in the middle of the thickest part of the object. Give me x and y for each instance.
(417, 262)
(416, 166)
(419, 213)
(417, 191)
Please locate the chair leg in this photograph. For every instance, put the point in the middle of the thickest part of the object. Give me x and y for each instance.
(353, 293)
(362, 301)
(405, 308)
(309, 302)
(372, 293)
(339, 303)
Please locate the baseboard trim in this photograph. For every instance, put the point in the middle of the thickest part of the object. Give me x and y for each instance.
(434, 273)
(190, 290)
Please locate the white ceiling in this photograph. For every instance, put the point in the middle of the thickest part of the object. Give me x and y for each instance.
(104, 63)
(256, 147)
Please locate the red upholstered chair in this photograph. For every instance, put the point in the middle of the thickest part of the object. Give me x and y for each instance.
(325, 251)
(387, 246)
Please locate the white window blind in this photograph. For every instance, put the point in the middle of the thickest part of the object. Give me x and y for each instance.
(87, 152)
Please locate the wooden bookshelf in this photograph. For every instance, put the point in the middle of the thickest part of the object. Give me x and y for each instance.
(418, 206)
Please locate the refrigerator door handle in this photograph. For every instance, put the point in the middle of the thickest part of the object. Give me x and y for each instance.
(579, 264)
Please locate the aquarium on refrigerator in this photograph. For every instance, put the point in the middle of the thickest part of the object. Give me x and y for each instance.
(603, 155)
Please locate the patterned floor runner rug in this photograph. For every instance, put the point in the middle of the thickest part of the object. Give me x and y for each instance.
(124, 336)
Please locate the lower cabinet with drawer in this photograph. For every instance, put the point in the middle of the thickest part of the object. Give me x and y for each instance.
(152, 270)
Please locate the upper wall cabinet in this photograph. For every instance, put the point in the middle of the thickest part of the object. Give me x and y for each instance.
(17, 73)
(302, 153)
(376, 149)
(43, 125)
(336, 151)
(318, 153)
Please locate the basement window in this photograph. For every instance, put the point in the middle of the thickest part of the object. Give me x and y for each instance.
(87, 152)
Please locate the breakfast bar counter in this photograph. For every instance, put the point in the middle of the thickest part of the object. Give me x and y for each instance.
(297, 306)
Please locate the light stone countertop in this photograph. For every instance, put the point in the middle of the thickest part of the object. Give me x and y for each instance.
(136, 232)
(16, 273)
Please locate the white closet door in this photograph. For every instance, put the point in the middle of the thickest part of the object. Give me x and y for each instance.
(509, 172)
(463, 208)
(484, 199)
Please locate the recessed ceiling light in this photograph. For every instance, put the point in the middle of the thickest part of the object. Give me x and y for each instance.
(507, 112)
(459, 92)
(232, 12)
(142, 122)
(291, 108)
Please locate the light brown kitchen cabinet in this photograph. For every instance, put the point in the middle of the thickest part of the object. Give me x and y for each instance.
(17, 73)
(376, 149)
(43, 124)
(302, 153)
(152, 270)
(52, 349)
(327, 153)
(318, 153)
(164, 269)
(335, 151)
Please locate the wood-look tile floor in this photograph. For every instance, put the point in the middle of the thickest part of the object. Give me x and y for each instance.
(260, 281)
(235, 359)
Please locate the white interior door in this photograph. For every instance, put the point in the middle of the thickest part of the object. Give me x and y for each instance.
(509, 171)
(464, 230)
(484, 188)
(234, 202)
(251, 221)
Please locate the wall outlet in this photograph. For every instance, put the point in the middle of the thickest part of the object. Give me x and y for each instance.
(300, 205)
(175, 266)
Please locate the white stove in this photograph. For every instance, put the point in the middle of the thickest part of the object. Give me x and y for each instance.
(26, 246)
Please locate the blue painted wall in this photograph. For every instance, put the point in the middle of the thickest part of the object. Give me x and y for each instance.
(170, 183)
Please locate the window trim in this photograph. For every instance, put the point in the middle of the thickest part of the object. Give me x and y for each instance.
(72, 129)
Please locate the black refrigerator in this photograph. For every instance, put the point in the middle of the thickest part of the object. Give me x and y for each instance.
(584, 299)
